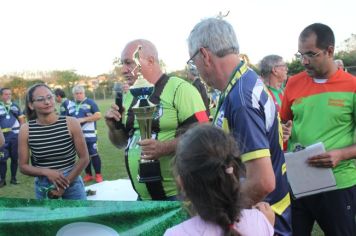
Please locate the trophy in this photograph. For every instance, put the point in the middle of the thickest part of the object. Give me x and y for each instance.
(148, 170)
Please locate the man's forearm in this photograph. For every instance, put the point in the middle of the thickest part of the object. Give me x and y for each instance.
(348, 152)
(253, 193)
(168, 147)
(92, 118)
(259, 181)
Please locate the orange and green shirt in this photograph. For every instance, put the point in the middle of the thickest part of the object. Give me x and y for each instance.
(323, 112)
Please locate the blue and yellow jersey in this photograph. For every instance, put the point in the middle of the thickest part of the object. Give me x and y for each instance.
(85, 108)
(63, 109)
(9, 118)
(248, 112)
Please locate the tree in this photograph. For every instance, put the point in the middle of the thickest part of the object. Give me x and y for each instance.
(348, 54)
(19, 86)
(66, 79)
(295, 67)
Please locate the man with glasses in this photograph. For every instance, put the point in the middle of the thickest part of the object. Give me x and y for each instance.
(274, 74)
(179, 104)
(321, 101)
(340, 64)
(87, 112)
(11, 118)
(247, 112)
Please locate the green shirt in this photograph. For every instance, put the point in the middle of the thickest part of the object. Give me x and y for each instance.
(179, 104)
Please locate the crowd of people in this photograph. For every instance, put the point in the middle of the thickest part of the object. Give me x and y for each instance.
(230, 166)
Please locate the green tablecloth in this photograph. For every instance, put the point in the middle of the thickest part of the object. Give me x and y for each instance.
(34, 217)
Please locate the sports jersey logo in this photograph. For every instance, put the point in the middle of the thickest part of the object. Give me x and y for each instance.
(159, 112)
(336, 102)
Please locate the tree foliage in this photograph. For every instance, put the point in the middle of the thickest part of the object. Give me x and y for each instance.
(294, 67)
(66, 79)
(348, 54)
(18, 87)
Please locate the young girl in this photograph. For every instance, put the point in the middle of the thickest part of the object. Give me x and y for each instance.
(207, 170)
(54, 142)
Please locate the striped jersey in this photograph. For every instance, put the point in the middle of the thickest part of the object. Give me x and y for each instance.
(51, 145)
(9, 118)
(247, 111)
(85, 108)
(323, 112)
(63, 108)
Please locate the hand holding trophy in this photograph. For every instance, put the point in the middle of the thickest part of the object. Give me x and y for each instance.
(149, 170)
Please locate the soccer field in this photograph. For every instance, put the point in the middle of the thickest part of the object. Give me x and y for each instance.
(113, 166)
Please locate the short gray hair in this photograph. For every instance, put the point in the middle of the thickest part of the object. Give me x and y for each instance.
(267, 63)
(216, 34)
(339, 62)
(78, 88)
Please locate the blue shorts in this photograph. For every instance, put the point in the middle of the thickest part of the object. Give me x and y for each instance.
(76, 190)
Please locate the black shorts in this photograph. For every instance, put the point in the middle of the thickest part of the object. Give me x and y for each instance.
(334, 211)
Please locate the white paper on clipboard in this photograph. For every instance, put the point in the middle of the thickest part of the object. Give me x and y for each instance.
(304, 179)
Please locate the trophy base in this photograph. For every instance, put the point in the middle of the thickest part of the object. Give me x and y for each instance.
(149, 171)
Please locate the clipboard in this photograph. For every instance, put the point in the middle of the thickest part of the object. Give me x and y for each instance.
(306, 180)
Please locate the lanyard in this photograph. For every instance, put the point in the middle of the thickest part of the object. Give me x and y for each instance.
(78, 106)
(240, 69)
(7, 109)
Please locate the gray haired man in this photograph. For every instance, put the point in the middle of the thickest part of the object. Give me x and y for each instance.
(246, 111)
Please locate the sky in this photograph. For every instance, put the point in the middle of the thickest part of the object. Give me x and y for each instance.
(87, 35)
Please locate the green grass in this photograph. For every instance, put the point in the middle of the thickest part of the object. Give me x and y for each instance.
(112, 160)
(113, 166)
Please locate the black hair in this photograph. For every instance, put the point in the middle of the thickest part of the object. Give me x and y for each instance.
(203, 155)
(3, 89)
(59, 92)
(31, 114)
(324, 35)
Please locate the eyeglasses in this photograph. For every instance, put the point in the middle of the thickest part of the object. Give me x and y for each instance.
(281, 65)
(307, 55)
(43, 99)
(190, 62)
(220, 53)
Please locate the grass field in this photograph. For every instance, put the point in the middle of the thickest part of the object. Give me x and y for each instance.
(113, 166)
